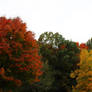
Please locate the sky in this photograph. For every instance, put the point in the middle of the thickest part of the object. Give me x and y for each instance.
(71, 18)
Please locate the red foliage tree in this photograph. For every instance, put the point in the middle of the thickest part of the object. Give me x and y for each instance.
(19, 59)
(81, 46)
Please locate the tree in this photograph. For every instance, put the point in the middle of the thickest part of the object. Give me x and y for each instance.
(68, 57)
(45, 83)
(89, 43)
(62, 57)
(19, 59)
(51, 38)
(83, 75)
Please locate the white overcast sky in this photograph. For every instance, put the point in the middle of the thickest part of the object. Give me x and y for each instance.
(71, 18)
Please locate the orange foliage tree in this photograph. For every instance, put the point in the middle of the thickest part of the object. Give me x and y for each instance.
(19, 59)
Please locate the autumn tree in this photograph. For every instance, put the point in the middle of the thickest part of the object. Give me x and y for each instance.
(19, 59)
(83, 75)
(45, 83)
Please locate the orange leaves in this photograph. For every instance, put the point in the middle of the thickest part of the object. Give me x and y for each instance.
(9, 78)
(3, 20)
(19, 50)
(18, 82)
(2, 71)
(38, 73)
(12, 25)
(29, 36)
(36, 79)
(21, 35)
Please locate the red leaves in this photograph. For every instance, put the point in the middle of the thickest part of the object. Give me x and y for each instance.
(29, 36)
(62, 46)
(77, 44)
(82, 45)
(21, 48)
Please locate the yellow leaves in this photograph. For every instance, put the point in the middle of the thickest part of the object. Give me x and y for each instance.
(89, 73)
(85, 58)
(83, 91)
(84, 73)
(78, 86)
(89, 59)
(83, 55)
(90, 53)
(72, 75)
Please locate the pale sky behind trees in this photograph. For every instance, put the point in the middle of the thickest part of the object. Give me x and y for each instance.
(71, 18)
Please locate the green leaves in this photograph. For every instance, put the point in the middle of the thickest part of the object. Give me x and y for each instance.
(51, 38)
(61, 57)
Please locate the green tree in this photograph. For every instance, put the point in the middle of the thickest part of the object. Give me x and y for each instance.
(50, 38)
(62, 57)
(89, 43)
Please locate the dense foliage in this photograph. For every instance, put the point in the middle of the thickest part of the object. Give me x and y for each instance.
(62, 56)
(89, 43)
(84, 73)
(19, 59)
(43, 65)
